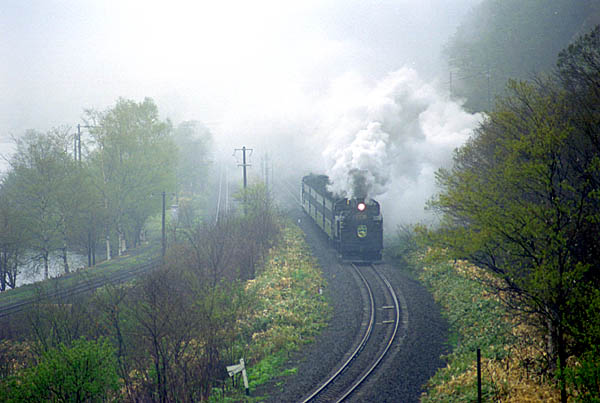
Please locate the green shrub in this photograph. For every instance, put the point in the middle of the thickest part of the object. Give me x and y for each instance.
(85, 371)
(584, 377)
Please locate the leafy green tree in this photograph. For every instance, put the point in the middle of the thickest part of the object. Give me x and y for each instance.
(70, 195)
(42, 187)
(132, 158)
(504, 39)
(87, 220)
(515, 204)
(13, 236)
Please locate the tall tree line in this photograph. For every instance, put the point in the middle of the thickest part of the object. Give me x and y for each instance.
(523, 201)
(52, 203)
(502, 39)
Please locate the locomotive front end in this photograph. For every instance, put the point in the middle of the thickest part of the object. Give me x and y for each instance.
(360, 230)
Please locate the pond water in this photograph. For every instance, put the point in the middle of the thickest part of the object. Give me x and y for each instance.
(34, 271)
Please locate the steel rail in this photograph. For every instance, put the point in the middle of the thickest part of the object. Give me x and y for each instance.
(390, 340)
(369, 371)
(360, 346)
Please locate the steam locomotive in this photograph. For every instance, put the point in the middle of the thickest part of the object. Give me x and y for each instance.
(354, 226)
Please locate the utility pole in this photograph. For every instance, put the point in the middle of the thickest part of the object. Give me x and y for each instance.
(244, 165)
(77, 138)
(164, 234)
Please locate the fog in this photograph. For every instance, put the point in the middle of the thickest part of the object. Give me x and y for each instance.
(324, 86)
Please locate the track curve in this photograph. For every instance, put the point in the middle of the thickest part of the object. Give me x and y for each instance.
(370, 351)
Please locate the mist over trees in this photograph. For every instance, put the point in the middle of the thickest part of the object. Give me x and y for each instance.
(194, 142)
(165, 337)
(168, 335)
(40, 185)
(523, 202)
(58, 200)
(512, 39)
(133, 158)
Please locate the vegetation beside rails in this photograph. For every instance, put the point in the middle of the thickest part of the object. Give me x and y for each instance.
(521, 201)
(512, 352)
(170, 333)
(288, 310)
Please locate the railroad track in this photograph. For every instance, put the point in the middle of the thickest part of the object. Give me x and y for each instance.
(291, 192)
(222, 194)
(386, 313)
(85, 285)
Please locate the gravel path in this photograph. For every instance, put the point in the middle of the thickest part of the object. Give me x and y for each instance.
(411, 364)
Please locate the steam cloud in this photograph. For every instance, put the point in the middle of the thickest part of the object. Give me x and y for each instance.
(387, 141)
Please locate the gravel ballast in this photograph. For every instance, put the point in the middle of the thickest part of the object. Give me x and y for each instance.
(412, 362)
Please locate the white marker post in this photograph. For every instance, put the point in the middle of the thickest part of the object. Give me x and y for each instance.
(236, 369)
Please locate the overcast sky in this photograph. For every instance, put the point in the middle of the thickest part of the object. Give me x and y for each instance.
(205, 60)
(321, 85)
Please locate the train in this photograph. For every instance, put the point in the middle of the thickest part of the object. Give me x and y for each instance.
(353, 226)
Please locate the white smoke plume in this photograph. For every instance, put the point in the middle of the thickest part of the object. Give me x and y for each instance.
(386, 141)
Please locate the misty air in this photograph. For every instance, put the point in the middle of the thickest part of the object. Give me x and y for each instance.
(285, 201)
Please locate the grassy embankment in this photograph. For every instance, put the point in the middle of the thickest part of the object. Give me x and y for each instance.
(478, 319)
(289, 311)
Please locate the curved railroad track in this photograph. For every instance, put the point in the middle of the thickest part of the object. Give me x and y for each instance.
(385, 315)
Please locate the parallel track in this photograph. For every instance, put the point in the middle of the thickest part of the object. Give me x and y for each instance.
(375, 344)
(80, 288)
(292, 191)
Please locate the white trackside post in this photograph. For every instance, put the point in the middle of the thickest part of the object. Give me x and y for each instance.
(236, 369)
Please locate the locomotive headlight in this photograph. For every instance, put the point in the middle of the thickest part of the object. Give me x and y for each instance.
(361, 206)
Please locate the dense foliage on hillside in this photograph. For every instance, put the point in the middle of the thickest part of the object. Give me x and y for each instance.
(512, 39)
(523, 202)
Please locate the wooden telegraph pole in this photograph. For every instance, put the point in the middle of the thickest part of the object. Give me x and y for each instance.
(244, 165)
